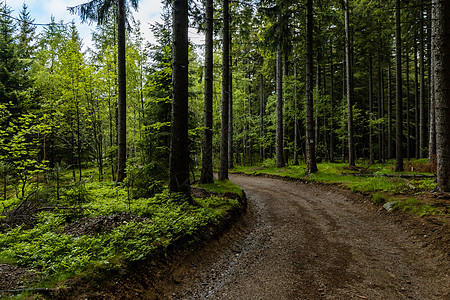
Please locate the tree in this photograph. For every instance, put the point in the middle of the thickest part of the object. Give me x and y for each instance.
(97, 10)
(398, 92)
(26, 35)
(207, 151)
(223, 166)
(279, 91)
(14, 78)
(179, 143)
(351, 147)
(441, 55)
(311, 166)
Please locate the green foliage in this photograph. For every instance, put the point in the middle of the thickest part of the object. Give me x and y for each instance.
(144, 181)
(414, 206)
(378, 198)
(163, 218)
(222, 187)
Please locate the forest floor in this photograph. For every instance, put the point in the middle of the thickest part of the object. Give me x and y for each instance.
(315, 241)
(298, 240)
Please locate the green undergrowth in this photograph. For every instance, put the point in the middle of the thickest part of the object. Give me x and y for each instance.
(222, 187)
(152, 224)
(378, 181)
(416, 207)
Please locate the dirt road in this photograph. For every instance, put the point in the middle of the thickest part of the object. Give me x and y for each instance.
(306, 241)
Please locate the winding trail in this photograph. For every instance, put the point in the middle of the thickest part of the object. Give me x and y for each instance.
(307, 241)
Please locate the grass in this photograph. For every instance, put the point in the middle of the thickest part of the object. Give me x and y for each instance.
(222, 187)
(414, 206)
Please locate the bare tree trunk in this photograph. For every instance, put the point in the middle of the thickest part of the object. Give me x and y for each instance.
(422, 125)
(223, 167)
(416, 105)
(122, 101)
(311, 166)
(261, 115)
(207, 168)
(351, 148)
(389, 113)
(408, 118)
(331, 105)
(230, 124)
(179, 143)
(432, 133)
(279, 135)
(441, 58)
(295, 115)
(371, 157)
(398, 92)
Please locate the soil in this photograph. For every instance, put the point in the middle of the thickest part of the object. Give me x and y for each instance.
(298, 240)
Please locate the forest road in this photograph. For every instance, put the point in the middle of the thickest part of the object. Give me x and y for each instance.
(307, 241)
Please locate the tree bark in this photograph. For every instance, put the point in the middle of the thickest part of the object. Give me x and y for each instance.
(331, 105)
(371, 157)
(416, 105)
(295, 115)
(432, 128)
(351, 148)
(311, 166)
(389, 113)
(279, 87)
(230, 122)
(441, 55)
(262, 108)
(122, 100)
(223, 166)
(422, 125)
(179, 142)
(398, 92)
(207, 168)
(408, 118)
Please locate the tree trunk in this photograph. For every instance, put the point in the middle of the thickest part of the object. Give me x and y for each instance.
(389, 113)
(371, 157)
(179, 143)
(311, 166)
(295, 115)
(441, 57)
(432, 132)
(331, 105)
(422, 125)
(207, 168)
(279, 87)
(351, 148)
(398, 92)
(408, 118)
(230, 124)
(380, 111)
(223, 167)
(261, 124)
(416, 105)
(122, 100)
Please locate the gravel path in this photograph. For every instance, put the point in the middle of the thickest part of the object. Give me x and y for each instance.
(307, 241)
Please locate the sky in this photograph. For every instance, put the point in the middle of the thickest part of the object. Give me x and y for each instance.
(42, 10)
